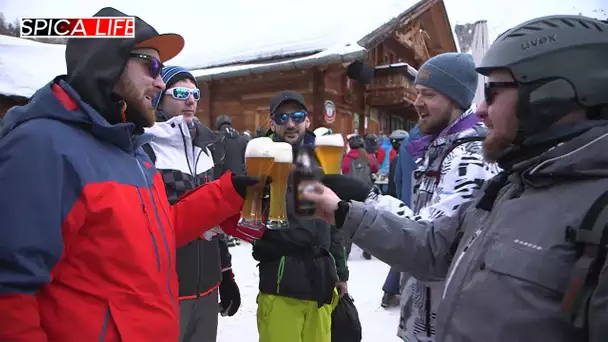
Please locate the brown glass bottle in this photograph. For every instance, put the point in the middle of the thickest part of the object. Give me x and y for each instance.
(303, 175)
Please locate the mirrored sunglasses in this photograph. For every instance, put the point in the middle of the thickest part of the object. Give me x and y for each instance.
(154, 65)
(282, 118)
(182, 93)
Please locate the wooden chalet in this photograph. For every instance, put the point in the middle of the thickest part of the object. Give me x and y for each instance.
(394, 50)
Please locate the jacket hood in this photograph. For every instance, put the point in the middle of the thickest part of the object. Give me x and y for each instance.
(173, 131)
(581, 157)
(386, 143)
(47, 103)
(94, 67)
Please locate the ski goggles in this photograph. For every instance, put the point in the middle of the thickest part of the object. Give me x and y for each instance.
(282, 118)
(182, 93)
(154, 65)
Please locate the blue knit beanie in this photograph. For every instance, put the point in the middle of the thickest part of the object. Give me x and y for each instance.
(452, 74)
(171, 75)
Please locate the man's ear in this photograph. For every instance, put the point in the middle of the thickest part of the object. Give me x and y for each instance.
(272, 125)
(307, 121)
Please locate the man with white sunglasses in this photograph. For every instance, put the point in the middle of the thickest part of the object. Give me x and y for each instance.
(180, 151)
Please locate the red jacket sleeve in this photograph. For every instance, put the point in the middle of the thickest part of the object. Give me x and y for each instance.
(380, 154)
(345, 164)
(20, 320)
(373, 163)
(204, 208)
(392, 155)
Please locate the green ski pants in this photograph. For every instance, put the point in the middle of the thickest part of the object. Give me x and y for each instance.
(282, 319)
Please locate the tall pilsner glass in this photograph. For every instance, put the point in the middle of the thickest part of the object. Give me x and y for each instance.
(259, 157)
(283, 158)
(329, 150)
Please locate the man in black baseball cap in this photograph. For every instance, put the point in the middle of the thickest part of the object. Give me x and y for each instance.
(289, 118)
(303, 269)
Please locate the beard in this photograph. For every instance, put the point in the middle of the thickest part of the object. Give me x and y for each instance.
(495, 145)
(292, 140)
(139, 109)
(434, 124)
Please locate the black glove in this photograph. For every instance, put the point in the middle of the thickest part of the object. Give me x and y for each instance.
(230, 296)
(240, 183)
(347, 188)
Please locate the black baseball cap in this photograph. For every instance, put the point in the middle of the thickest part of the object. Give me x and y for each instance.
(286, 96)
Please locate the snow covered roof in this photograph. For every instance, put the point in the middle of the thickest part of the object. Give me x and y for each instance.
(274, 32)
(339, 53)
(26, 65)
(330, 41)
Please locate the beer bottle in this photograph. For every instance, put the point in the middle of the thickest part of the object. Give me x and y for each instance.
(303, 176)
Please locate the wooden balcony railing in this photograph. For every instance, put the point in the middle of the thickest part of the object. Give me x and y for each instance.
(390, 90)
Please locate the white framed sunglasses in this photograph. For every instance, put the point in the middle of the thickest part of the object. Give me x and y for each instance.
(182, 93)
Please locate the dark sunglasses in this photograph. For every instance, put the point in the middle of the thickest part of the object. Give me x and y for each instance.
(182, 93)
(489, 89)
(282, 118)
(154, 65)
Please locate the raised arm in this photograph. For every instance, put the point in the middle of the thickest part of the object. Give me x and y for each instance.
(421, 245)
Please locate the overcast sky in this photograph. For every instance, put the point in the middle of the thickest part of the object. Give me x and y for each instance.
(228, 25)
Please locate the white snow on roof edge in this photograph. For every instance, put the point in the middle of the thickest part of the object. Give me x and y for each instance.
(26, 65)
(340, 52)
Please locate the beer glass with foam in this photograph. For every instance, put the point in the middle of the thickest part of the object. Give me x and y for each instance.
(329, 150)
(259, 157)
(283, 158)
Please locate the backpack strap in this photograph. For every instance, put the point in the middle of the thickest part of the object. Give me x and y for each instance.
(591, 239)
(453, 145)
(150, 152)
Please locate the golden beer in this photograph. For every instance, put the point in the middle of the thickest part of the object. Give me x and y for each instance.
(279, 173)
(329, 150)
(259, 157)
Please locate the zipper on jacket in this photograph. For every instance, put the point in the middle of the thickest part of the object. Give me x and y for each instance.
(458, 260)
(104, 325)
(186, 151)
(195, 181)
(160, 228)
(143, 206)
(428, 307)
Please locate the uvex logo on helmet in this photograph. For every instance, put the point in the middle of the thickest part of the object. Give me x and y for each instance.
(539, 41)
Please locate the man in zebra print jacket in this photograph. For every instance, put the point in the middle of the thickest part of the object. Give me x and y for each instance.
(448, 174)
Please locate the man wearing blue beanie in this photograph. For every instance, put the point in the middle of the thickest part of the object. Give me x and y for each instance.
(449, 168)
(180, 152)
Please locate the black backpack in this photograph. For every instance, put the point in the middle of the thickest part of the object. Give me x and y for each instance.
(345, 323)
(361, 171)
(228, 153)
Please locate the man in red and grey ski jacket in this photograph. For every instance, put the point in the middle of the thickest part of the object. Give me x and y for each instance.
(87, 237)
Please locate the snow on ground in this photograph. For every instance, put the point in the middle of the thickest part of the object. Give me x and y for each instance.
(365, 286)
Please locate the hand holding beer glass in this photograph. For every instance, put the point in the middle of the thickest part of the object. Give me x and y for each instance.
(329, 150)
(259, 157)
(283, 158)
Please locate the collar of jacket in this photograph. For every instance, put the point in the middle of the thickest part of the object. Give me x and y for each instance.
(173, 127)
